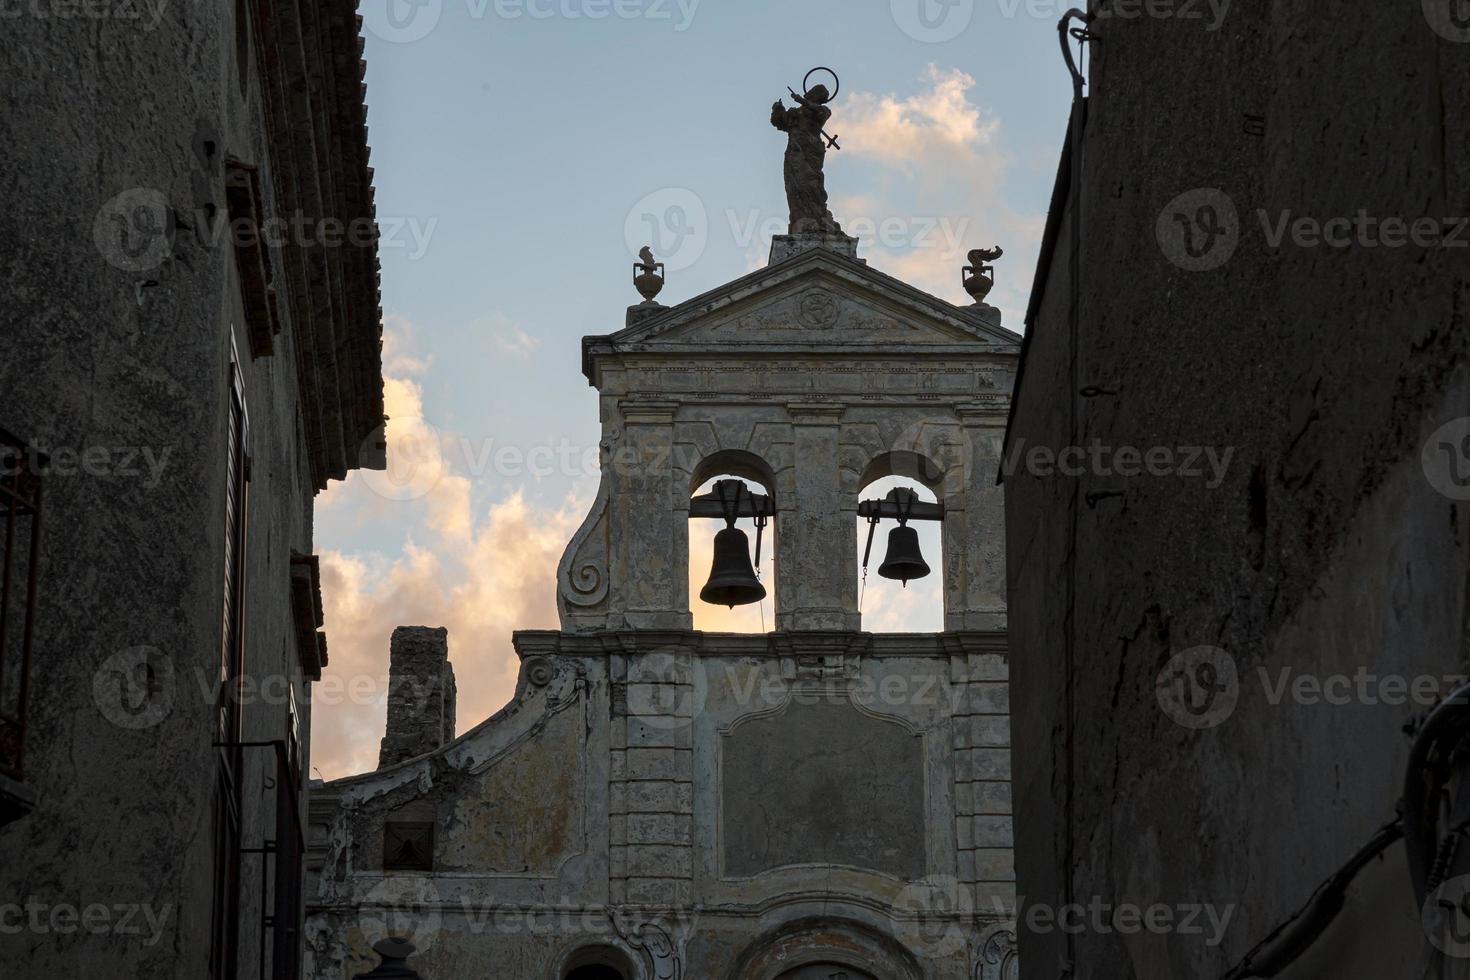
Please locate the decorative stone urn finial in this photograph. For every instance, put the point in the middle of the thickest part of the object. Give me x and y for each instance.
(393, 952)
(648, 276)
(978, 277)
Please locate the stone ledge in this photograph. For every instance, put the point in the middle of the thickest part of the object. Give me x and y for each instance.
(784, 247)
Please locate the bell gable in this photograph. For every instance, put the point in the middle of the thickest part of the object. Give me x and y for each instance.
(814, 302)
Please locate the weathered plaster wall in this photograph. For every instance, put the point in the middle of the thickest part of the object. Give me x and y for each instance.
(132, 364)
(703, 805)
(1324, 549)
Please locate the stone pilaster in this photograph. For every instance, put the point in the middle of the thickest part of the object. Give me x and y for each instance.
(816, 584)
(974, 527)
(982, 751)
(651, 531)
(652, 778)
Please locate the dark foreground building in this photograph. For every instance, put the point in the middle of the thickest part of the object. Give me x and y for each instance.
(190, 350)
(1235, 601)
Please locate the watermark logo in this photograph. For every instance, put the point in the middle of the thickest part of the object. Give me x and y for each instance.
(401, 21)
(134, 688)
(933, 450)
(943, 909)
(1446, 917)
(666, 689)
(402, 906)
(933, 21)
(1199, 687)
(1445, 459)
(416, 461)
(134, 231)
(1449, 18)
(673, 222)
(1199, 230)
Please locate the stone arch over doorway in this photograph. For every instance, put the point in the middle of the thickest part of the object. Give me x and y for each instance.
(825, 949)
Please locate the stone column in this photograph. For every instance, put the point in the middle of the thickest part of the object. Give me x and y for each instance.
(421, 694)
(816, 579)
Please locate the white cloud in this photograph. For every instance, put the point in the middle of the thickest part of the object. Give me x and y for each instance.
(941, 160)
(401, 357)
(481, 572)
(509, 337)
(938, 122)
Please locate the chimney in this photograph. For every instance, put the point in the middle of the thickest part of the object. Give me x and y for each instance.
(420, 694)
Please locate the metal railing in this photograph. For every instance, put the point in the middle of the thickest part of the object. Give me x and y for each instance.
(283, 862)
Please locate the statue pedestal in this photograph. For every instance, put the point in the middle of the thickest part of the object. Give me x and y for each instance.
(784, 247)
(984, 311)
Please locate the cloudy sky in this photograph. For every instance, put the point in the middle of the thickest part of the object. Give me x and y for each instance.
(524, 150)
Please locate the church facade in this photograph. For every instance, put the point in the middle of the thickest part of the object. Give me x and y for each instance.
(659, 803)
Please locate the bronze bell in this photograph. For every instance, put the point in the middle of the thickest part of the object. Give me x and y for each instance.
(904, 560)
(732, 580)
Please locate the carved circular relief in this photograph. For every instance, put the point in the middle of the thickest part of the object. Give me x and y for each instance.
(539, 671)
(817, 308)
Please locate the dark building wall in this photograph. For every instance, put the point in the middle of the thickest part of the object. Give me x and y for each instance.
(129, 353)
(1323, 549)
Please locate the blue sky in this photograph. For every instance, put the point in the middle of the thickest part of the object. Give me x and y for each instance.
(523, 150)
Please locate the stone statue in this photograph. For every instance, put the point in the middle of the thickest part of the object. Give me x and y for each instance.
(806, 149)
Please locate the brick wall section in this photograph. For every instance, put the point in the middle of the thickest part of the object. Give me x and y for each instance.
(652, 781)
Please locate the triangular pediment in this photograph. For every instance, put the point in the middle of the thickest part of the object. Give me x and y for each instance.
(813, 301)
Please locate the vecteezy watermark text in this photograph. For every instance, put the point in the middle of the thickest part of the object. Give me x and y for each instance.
(1209, 463)
(1200, 687)
(1099, 916)
(136, 230)
(144, 12)
(144, 463)
(96, 919)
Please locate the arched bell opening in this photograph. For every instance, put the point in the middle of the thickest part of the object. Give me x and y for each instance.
(732, 551)
(900, 550)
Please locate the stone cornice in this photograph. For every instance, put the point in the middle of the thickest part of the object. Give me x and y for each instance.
(777, 644)
(309, 57)
(972, 334)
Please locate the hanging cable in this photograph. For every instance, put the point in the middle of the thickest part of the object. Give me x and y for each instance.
(1437, 756)
(1287, 942)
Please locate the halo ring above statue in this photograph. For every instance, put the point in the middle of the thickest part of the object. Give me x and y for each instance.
(836, 82)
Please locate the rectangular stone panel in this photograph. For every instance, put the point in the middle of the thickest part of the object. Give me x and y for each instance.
(823, 783)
